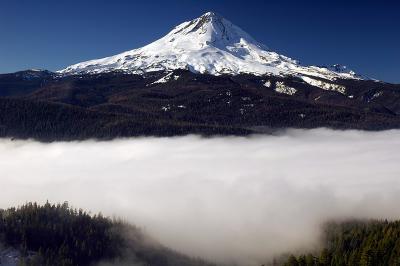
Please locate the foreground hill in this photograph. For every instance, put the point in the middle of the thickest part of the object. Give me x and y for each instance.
(59, 235)
(356, 243)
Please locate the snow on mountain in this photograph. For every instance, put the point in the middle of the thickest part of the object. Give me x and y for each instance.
(209, 44)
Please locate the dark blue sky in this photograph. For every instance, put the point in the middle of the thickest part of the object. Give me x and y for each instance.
(364, 35)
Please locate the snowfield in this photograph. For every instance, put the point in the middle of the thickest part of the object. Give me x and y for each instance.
(209, 44)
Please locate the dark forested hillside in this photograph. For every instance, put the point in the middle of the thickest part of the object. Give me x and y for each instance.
(47, 121)
(59, 235)
(48, 107)
(355, 243)
(55, 235)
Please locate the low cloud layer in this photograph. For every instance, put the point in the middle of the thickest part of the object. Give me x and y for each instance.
(224, 199)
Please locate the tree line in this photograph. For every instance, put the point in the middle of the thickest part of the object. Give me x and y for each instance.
(355, 243)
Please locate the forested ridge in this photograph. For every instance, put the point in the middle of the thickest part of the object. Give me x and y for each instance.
(60, 235)
(355, 243)
(57, 234)
(49, 107)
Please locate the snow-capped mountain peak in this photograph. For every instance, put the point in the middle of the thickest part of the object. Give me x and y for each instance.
(213, 29)
(208, 44)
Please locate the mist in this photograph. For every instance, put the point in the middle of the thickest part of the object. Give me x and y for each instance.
(226, 199)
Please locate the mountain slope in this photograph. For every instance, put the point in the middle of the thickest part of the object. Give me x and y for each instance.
(112, 105)
(209, 44)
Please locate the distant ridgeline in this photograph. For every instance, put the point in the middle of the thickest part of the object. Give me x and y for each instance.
(49, 107)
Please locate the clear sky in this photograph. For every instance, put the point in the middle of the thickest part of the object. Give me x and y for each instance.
(49, 34)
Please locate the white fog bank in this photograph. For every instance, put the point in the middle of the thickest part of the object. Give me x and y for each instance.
(225, 199)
